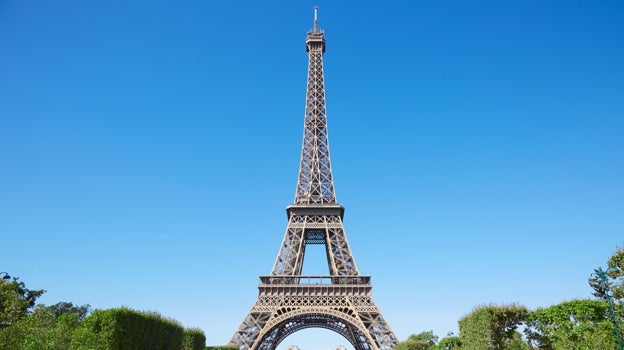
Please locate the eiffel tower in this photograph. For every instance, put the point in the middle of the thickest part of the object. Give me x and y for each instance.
(287, 301)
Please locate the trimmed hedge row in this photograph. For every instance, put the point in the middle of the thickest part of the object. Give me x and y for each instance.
(126, 329)
(194, 339)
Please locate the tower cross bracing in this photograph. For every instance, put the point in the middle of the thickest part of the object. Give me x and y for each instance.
(288, 301)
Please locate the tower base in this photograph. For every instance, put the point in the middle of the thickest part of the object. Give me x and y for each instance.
(287, 304)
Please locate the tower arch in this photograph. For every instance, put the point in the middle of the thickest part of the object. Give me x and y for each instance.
(294, 321)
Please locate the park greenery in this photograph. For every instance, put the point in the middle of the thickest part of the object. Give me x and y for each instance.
(65, 326)
(578, 324)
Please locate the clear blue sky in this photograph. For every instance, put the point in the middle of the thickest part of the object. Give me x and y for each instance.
(148, 150)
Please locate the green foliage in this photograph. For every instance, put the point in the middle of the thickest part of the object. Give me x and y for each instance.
(126, 329)
(614, 278)
(95, 332)
(40, 330)
(450, 342)
(194, 339)
(575, 324)
(16, 301)
(64, 326)
(420, 341)
(414, 345)
(516, 342)
(616, 272)
(599, 285)
(427, 337)
(64, 307)
(491, 327)
(22, 327)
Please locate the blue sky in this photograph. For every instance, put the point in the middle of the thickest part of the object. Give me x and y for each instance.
(148, 151)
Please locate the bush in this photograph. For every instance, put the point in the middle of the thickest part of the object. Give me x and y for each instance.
(194, 339)
(41, 330)
(126, 329)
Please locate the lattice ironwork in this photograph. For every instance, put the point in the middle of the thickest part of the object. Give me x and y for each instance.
(289, 302)
(347, 309)
(315, 185)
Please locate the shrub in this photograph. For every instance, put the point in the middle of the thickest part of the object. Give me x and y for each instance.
(126, 329)
(194, 339)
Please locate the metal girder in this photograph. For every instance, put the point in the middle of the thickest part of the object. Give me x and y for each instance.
(290, 258)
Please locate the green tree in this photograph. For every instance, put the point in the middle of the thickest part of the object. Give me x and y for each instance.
(615, 277)
(64, 307)
(39, 330)
(571, 325)
(16, 301)
(421, 341)
(516, 342)
(609, 286)
(24, 326)
(491, 327)
(616, 265)
(450, 342)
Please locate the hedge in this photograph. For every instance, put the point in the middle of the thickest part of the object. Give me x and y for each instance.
(194, 339)
(126, 329)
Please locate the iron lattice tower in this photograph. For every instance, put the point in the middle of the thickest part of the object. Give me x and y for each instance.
(289, 302)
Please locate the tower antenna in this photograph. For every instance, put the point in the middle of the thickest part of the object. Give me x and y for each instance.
(315, 18)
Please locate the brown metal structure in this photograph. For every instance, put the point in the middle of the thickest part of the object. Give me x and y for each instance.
(287, 301)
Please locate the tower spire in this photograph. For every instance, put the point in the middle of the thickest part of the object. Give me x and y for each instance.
(315, 184)
(315, 18)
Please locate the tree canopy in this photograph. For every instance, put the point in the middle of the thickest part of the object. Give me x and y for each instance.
(614, 277)
(574, 324)
(16, 301)
(491, 326)
(421, 341)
